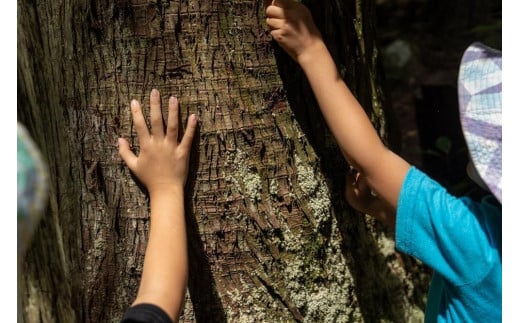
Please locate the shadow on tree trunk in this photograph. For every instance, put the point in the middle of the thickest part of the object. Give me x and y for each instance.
(207, 305)
(375, 284)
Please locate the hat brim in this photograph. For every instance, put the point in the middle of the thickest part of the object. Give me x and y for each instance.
(480, 105)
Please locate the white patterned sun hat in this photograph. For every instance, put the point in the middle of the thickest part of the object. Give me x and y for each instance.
(480, 105)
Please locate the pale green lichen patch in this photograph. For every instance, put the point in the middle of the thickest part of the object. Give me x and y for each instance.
(311, 272)
(244, 177)
(386, 245)
(253, 186)
(319, 291)
(414, 314)
(315, 191)
(309, 275)
(316, 276)
(319, 286)
(273, 187)
(306, 177)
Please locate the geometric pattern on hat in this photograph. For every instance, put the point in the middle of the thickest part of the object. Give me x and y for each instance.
(32, 187)
(480, 105)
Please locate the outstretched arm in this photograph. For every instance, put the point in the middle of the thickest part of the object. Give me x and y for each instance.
(162, 166)
(293, 28)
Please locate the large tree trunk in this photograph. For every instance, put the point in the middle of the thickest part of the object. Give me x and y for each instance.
(270, 236)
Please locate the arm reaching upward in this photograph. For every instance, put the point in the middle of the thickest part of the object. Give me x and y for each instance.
(292, 27)
(162, 166)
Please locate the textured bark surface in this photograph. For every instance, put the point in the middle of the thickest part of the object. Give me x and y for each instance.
(270, 236)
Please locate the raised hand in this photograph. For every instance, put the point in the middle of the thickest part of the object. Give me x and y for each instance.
(292, 27)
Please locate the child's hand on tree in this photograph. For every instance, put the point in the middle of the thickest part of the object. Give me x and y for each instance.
(162, 163)
(359, 195)
(292, 27)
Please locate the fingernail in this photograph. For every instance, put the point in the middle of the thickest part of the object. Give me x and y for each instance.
(119, 141)
(173, 99)
(155, 92)
(193, 118)
(134, 103)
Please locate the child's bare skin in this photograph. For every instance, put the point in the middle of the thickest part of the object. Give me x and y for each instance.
(359, 195)
(293, 28)
(460, 239)
(162, 166)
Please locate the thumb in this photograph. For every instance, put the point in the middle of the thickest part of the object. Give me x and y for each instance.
(350, 177)
(283, 3)
(362, 183)
(126, 154)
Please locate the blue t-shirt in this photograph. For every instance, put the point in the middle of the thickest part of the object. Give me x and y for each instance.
(461, 240)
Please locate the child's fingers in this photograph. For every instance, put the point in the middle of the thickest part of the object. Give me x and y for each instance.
(278, 35)
(350, 177)
(351, 190)
(189, 134)
(361, 182)
(283, 3)
(362, 185)
(358, 181)
(275, 12)
(156, 120)
(275, 23)
(126, 154)
(139, 122)
(172, 132)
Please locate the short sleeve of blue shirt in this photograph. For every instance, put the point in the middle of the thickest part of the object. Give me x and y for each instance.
(461, 240)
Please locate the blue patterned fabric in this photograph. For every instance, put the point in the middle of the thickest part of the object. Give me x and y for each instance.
(32, 185)
(480, 104)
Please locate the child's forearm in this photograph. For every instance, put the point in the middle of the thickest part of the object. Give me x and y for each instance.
(346, 118)
(351, 127)
(166, 254)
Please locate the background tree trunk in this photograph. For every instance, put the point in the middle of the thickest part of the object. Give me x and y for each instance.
(270, 236)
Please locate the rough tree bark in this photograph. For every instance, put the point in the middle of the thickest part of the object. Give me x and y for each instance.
(270, 236)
